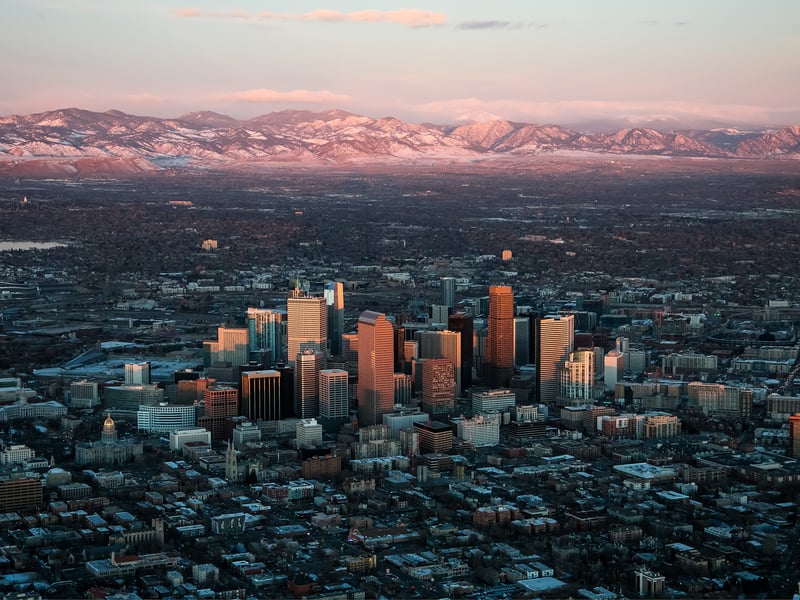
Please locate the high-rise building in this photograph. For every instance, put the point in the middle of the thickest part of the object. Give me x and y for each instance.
(307, 366)
(307, 324)
(221, 403)
(442, 344)
(402, 389)
(438, 386)
(265, 330)
(553, 346)
(350, 347)
(334, 401)
(499, 358)
(137, 373)
(84, 394)
(576, 379)
(439, 313)
(521, 341)
(449, 291)
(261, 395)
(309, 433)
(794, 436)
(434, 437)
(334, 299)
(613, 369)
(20, 493)
(462, 323)
(480, 430)
(375, 368)
(230, 350)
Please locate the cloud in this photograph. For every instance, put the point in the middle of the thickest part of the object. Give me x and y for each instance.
(473, 25)
(267, 96)
(622, 113)
(187, 12)
(408, 17)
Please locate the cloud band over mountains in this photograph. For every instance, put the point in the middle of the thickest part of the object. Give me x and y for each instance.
(408, 17)
(267, 96)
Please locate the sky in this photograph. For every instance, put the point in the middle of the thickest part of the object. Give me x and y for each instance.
(588, 63)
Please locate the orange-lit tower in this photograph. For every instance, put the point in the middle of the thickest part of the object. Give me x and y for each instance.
(500, 339)
(375, 368)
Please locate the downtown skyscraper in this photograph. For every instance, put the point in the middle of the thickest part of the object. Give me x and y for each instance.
(261, 395)
(375, 368)
(307, 325)
(334, 299)
(556, 339)
(499, 357)
(265, 334)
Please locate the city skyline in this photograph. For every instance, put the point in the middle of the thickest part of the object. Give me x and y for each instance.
(573, 63)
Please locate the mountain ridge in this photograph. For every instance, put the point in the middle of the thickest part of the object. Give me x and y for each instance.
(206, 138)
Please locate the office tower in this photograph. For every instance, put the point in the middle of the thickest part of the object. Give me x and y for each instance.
(449, 292)
(462, 323)
(84, 394)
(308, 433)
(261, 395)
(533, 336)
(188, 387)
(480, 430)
(576, 379)
(434, 437)
(334, 300)
(442, 344)
(131, 397)
(334, 400)
(399, 348)
(635, 361)
(137, 373)
(402, 389)
(499, 358)
(493, 401)
(265, 330)
(20, 494)
(230, 350)
(375, 368)
(307, 324)
(438, 386)
(794, 436)
(307, 366)
(553, 346)
(350, 347)
(439, 314)
(521, 341)
(165, 418)
(481, 308)
(287, 390)
(221, 404)
(613, 368)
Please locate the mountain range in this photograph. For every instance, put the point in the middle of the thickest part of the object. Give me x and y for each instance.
(80, 142)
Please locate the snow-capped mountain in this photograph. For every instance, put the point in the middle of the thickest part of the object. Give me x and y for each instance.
(80, 141)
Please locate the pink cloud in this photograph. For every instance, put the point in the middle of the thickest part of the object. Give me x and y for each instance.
(575, 111)
(408, 17)
(266, 96)
(187, 12)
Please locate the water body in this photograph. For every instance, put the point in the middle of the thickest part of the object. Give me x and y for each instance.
(22, 245)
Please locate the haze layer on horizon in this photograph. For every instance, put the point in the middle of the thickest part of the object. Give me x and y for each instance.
(668, 63)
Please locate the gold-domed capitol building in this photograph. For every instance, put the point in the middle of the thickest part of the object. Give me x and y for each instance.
(109, 450)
